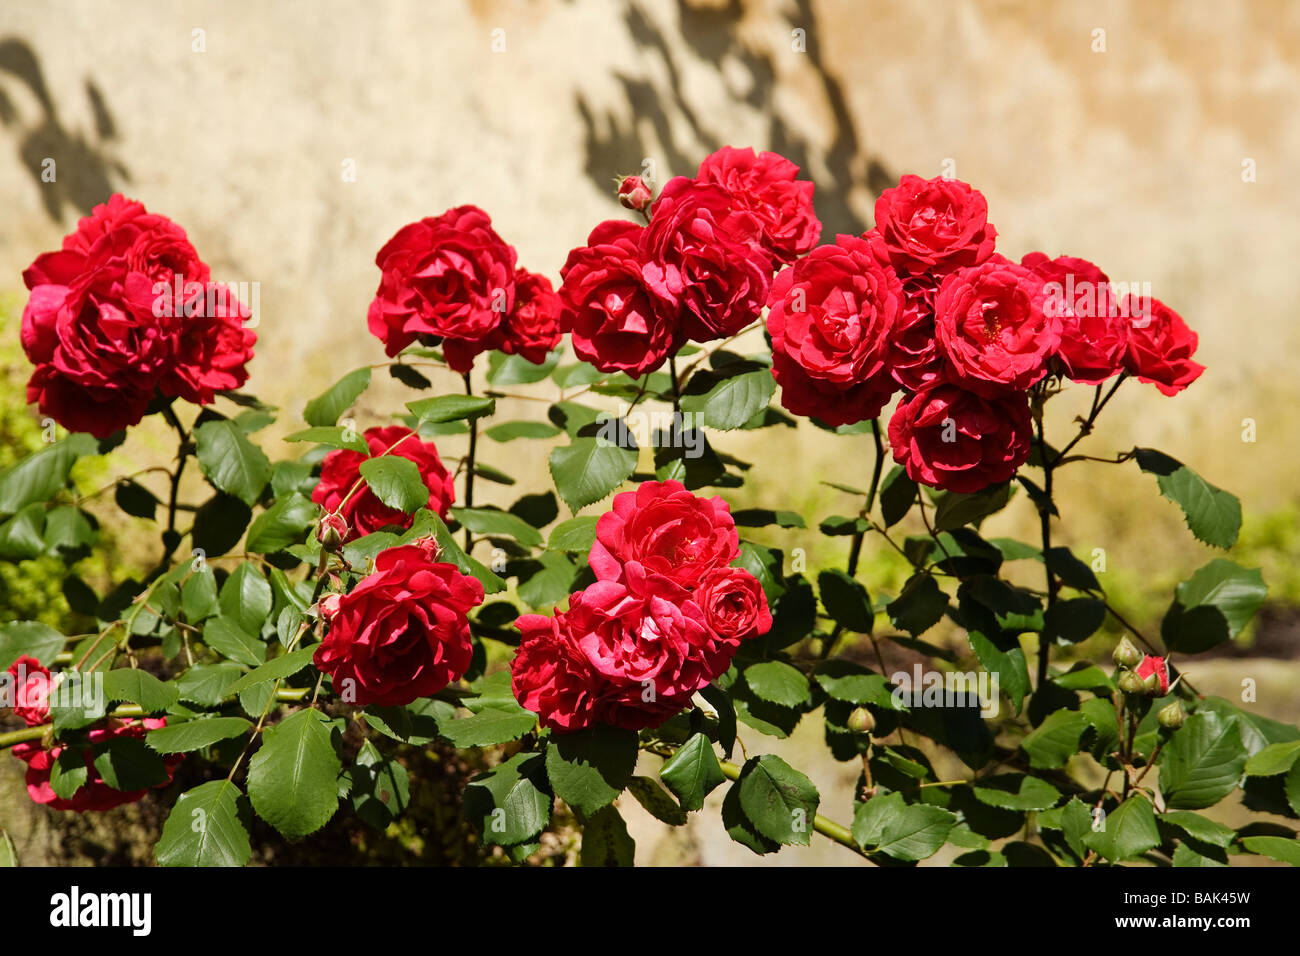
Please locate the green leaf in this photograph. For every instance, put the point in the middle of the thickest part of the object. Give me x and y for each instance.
(381, 787)
(284, 666)
(919, 606)
(208, 684)
(1009, 665)
(854, 684)
(905, 832)
(199, 595)
(692, 773)
(230, 461)
(1212, 606)
(490, 726)
(1273, 759)
(516, 370)
(333, 435)
(125, 763)
(1274, 847)
(1073, 620)
(8, 856)
(576, 534)
(730, 398)
(590, 767)
(1072, 572)
(30, 638)
(779, 800)
(1213, 515)
(219, 524)
(1127, 832)
(68, 773)
(897, 495)
(1056, 739)
(417, 723)
(509, 431)
(605, 841)
(846, 601)
(1200, 828)
(956, 509)
(326, 407)
(139, 687)
(246, 598)
(778, 682)
(135, 499)
(195, 734)
(207, 827)
(38, 476)
(283, 524)
(293, 777)
(1202, 762)
(656, 801)
(396, 482)
(486, 521)
(511, 802)
(230, 640)
(589, 469)
(1017, 792)
(450, 408)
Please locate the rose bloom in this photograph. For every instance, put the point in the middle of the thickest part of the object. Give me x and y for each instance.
(31, 690)
(107, 325)
(935, 225)
(616, 322)
(704, 253)
(765, 185)
(615, 658)
(667, 531)
(364, 512)
(445, 277)
(1160, 345)
(533, 328)
(1093, 333)
(402, 633)
(831, 319)
(992, 327)
(735, 607)
(1150, 664)
(915, 361)
(950, 438)
(94, 794)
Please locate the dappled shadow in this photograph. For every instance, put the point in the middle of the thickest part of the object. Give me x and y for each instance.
(614, 140)
(68, 168)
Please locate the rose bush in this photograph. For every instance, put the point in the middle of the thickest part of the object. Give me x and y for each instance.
(326, 606)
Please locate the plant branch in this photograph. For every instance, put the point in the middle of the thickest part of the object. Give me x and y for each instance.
(469, 465)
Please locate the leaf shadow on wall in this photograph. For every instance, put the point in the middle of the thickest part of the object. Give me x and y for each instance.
(68, 168)
(680, 130)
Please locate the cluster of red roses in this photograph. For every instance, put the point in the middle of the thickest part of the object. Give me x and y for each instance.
(123, 312)
(700, 269)
(664, 617)
(451, 280)
(922, 304)
(32, 688)
(402, 632)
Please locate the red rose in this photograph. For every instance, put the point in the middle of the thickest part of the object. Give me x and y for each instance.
(31, 691)
(957, 440)
(1160, 345)
(614, 658)
(831, 320)
(935, 225)
(94, 794)
(617, 323)
(1093, 334)
(992, 328)
(703, 253)
(401, 633)
(667, 531)
(112, 320)
(445, 277)
(1158, 666)
(364, 512)
(533, 328)
(915, 361)
(734, 605)
(765, 184)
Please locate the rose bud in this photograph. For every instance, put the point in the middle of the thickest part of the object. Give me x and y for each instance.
(332, 532)
(328, 607)
(634, 194)
(1154, 672)
(1131, 684)
(1171, 716)
(861, 721)
(1126, 655)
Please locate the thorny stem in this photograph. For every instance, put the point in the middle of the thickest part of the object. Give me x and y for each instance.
(1045, 520)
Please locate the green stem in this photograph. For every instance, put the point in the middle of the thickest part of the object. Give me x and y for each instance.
(469, 465)
(1045, 521)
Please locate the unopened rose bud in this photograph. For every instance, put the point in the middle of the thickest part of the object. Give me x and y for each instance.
(1130, 683)
(1171, 715)
(861, 721)
(1154, 672)
(1126, 654)
(331, 532)
(429, 546)
(329, 607)
(634, 194)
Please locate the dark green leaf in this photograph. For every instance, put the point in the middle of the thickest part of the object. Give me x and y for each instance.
(326, 407)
